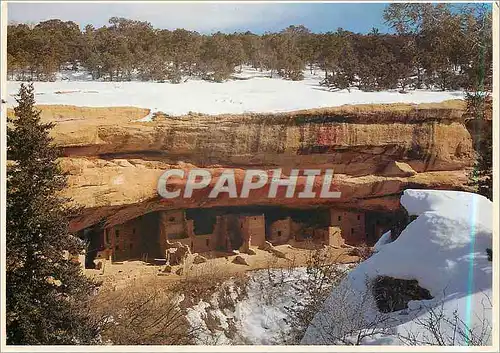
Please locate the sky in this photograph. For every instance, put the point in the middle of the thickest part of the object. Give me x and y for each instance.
(212, 17)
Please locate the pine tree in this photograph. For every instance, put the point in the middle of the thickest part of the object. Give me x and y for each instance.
(479, 107)
(46, 291)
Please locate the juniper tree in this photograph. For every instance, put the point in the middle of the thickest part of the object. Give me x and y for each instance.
(44, 289)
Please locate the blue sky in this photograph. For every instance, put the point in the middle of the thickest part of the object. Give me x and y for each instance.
(211, 17)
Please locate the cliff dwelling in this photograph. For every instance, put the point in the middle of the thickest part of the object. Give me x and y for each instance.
(222, 230)
(114, 165)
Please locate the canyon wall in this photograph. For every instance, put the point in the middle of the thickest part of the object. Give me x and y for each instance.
(114, 161)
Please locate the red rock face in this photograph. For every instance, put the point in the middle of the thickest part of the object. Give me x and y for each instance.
(329, 135)
(376, 151)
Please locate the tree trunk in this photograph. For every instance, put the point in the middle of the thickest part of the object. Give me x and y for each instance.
(419, 78)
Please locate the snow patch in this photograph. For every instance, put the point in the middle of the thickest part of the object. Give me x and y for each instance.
(383, 240)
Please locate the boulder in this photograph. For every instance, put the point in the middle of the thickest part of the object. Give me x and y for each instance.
(278, 253)
(362, 252)
(399, 169)
(198, 259)
(123, 163)
(240, 260)
(267, 246)
(176, 253)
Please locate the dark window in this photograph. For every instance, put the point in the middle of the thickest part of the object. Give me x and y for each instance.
(279, 233)
(208, 242)
(117, 233)
(133, 231)
(192, 245)
(352, 230)
(131, 246)
(359, 217)
(117, 247)
(339, 218)
(171, 219)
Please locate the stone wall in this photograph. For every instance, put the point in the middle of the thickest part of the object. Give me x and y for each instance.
(333, 236)
(253, 231)
(280, 231)
(172, 228)
(203, 243)
(124, 240)
(351, 224)
(149, 235)
(176, 228)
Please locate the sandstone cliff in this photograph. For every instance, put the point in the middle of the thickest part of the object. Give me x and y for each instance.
(114, 161)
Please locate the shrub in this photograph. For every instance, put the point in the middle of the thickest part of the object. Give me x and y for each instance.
(142, 313)
(393, 294)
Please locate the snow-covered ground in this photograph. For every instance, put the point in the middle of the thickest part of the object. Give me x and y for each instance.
(258, 319)
(252, 92)
(444, 248)
(258, 316)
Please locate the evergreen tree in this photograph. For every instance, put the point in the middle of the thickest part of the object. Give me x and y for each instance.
(434, 46)
(479, 108)
(46, 291)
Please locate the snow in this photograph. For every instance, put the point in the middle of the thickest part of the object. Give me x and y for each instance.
(196, 316)
(444, 248)
(252, 91)
(262, 321)
(383, 240)
(70, 75)
(258, 318)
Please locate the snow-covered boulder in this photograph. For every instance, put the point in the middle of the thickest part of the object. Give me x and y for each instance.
(444, 249)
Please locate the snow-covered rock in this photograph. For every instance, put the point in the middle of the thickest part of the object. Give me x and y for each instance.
(444, 249)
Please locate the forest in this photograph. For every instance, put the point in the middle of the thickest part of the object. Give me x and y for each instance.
(431, 46)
